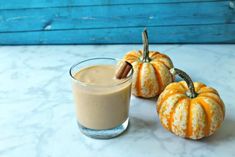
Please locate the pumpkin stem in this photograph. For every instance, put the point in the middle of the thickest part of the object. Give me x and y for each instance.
(146, 46)
(191, 92)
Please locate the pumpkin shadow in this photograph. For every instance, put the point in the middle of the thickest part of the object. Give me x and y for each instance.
(138, 125)
(147, 99)
(223, 134)
(151, 100)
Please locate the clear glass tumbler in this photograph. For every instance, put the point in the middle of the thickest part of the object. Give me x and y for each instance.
(102, 111)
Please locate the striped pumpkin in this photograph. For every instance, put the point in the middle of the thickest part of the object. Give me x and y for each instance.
(190, 110)
(151, 71)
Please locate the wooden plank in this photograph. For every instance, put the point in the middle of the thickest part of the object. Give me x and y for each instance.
(178, 34)
(16, 4)
(116, 16)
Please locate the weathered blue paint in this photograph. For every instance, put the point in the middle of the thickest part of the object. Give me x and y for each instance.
(115, 16)
(167, 34)
(27, 4)
(105, 21)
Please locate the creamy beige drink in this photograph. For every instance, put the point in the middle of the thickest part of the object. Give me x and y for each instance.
(101, 100)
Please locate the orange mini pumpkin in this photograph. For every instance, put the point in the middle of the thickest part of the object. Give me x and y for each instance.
(151, 70)
(190, 110)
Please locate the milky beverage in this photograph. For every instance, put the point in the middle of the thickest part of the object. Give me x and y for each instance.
(101, 100)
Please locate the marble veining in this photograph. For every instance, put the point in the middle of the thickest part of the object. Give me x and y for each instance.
(37, 113)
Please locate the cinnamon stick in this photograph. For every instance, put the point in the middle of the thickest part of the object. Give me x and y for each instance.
(124, 70)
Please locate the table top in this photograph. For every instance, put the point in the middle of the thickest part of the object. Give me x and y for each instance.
(37, 112)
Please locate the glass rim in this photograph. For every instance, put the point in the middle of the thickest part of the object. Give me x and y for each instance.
(94, 85)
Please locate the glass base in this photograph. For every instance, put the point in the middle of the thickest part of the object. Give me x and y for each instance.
(104, 134)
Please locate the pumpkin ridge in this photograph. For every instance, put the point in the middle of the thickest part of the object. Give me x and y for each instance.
(130, 60)
(158, 78)
(176, 87)
(199, 87)
(170, 120)
(215, 100)
(165, 98)
(183, 85)
(140, 52)
(159, 61)
(133, 55)
(189, 122)
(210, 90)
(153, 54)
(206, 109)
(138, 80)
(166, 67)
(164, 56)
(162, 63)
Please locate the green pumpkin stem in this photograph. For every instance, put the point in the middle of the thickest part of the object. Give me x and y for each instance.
(191, 92)
(146, 46)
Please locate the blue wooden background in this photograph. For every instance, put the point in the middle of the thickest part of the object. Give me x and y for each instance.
(117, 21)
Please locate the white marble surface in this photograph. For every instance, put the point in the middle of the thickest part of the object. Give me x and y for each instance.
(37, 113)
